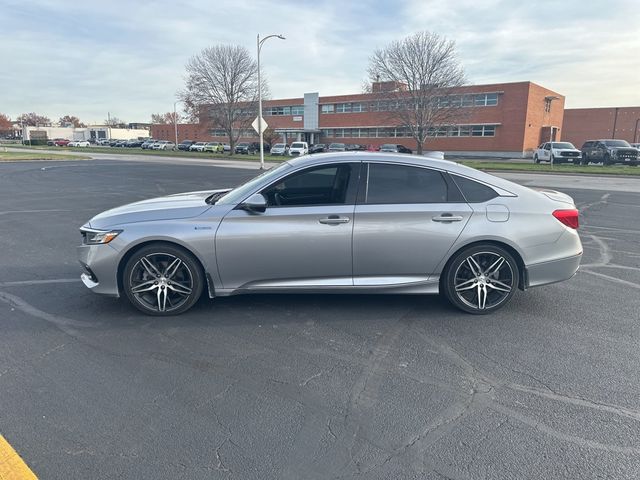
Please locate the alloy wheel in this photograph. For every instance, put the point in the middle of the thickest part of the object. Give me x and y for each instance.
(161, 282)
(484, 280)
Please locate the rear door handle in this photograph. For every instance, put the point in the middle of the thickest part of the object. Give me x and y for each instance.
(447, 217)
(334, 220)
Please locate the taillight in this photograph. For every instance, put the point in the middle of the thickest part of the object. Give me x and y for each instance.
(567, 217)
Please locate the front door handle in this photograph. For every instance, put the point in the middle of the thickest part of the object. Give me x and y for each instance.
(334, 220)
(447, 217)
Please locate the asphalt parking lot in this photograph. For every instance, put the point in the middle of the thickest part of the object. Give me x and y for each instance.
(305, 386)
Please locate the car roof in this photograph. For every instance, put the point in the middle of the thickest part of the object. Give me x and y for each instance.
(401, 159)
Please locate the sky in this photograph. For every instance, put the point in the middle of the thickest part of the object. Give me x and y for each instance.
(127, 57)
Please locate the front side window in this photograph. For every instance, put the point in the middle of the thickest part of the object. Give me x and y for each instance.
(325, 185)
(398, 184)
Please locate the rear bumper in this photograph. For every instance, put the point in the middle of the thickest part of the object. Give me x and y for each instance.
(553, 271)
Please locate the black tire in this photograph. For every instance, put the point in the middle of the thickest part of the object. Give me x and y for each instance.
(536, 159)
(168, 280)
(466, 287)
(606, 160)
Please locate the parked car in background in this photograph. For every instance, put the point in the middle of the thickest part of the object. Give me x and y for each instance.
(226, 147)
(103, 142)
(318, 148)
(146, 145)
(557, 152)
(83, 143)
(197, 147)
(120, 143)
(418, 226)
(185, 144)
(214, 147)
(60, 142)
(609, 152)
(354, 147)
(164, 145)
(337, 147)
(251, 148)
(394, 148)
(280, 149)
(299, 148)
(636, 146)
(243, 147)
(72, 143)
(134, 143)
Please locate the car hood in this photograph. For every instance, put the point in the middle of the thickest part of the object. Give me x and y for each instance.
(171, 207)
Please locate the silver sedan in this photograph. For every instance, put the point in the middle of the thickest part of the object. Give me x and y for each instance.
(339, 222)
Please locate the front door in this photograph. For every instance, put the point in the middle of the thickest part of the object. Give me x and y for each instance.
(303, 239)
(405, 223)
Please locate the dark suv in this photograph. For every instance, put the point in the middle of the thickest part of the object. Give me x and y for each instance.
(251, 148)
(609, 152)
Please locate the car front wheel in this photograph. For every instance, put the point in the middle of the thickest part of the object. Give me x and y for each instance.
(161, 279)
(481, 279)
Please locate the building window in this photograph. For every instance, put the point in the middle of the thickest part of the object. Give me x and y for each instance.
(288, 110)
(327, 108)
(343, 108)
(492, 99)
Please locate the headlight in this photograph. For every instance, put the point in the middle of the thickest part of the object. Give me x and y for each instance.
(98, 237)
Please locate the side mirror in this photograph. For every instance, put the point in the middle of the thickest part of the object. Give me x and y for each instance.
(256, 203)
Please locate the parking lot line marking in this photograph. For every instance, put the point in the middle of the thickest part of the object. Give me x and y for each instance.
(19, 283)
(12, 467)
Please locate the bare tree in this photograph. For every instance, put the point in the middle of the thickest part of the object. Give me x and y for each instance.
(115, 122)
(416, 76)
(270, 136)
(165, 118)
(222, 82)
(6, 125)
(70, 120)
(33, 119)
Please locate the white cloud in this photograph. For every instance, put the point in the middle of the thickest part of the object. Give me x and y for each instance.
(69, 57)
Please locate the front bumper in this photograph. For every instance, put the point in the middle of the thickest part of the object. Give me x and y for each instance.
(553, 271)
(101, 268)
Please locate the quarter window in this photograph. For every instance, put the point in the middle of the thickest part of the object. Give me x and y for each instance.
(474, 192)
(398, 184)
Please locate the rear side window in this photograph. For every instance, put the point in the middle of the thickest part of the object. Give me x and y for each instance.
(587, 144)
(474, 192)
(397, 184)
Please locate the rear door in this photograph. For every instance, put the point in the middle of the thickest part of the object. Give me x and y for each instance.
(406, 220)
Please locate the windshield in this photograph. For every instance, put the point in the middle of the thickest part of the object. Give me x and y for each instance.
(279, 145)
(336, 145)
(388, 145)
(243, 144)
(563, 145)
(297, 145)
(240, 193)
(616, 143)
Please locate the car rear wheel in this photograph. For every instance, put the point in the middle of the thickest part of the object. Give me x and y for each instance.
(481, 279)
(162, 280)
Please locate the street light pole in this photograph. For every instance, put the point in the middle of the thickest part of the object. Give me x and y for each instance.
(260, 133)
(175, 120)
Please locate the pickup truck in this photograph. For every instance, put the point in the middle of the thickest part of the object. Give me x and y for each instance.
(557, 152)
(609, 152)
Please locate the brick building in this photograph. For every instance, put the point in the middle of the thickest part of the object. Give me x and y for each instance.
(582, 124)
(506, 119)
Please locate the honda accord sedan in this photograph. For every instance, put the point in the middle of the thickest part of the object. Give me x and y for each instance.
(351, 222)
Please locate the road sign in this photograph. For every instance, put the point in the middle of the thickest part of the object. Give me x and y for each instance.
(255, 125)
